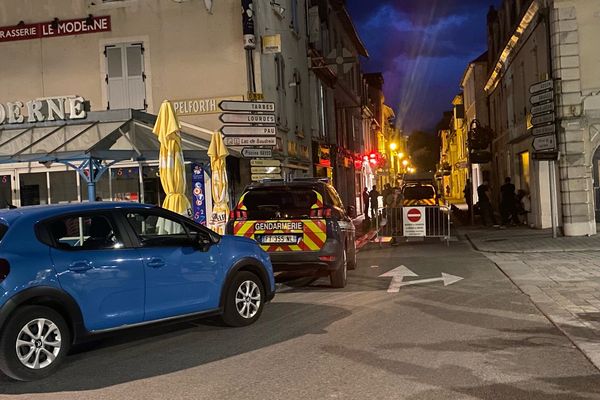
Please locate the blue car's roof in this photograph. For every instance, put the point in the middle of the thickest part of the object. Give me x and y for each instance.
(43, 211)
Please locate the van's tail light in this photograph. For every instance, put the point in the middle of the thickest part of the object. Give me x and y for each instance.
(4, 269)
(238, 215)
(321, 213)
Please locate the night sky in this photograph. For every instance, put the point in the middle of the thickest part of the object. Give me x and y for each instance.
(422, 47)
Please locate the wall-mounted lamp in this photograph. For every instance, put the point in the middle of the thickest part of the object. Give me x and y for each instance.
(277, 8)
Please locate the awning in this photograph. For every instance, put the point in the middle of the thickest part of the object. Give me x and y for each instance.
(117, 135)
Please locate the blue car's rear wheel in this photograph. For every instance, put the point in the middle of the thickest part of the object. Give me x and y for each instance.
(245, 300)
(33, 343)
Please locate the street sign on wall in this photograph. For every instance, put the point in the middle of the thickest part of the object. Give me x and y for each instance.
(250, 141)
(231, 130)
(265, 163)
(541, 86)
(544, 143)
(244, 118)
(265, 170)
(256, 106)
(249, 152)
(260, 177)
(543, 119)
(543, 130)
(542, 109)
(542, 97)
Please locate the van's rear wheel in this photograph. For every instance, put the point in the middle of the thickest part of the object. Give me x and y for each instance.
(34, 343)
(339, 277)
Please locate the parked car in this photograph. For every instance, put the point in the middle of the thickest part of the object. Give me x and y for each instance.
(302, 224)
(69, 272)
(418, 194)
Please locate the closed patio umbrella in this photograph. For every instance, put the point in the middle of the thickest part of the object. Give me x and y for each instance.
(217, 151)
(171, 163)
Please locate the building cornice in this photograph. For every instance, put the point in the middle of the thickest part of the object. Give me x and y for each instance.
(516, 38)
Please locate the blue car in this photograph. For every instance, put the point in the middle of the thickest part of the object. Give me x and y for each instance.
(69, 272)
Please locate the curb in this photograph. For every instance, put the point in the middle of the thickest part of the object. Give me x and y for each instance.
(364, 239)
(530, 251)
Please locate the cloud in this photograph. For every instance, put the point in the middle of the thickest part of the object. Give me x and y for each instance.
(422, 47)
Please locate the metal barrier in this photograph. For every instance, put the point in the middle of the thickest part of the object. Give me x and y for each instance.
(416, 222)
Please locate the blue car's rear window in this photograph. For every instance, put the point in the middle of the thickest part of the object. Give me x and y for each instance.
(3, 230)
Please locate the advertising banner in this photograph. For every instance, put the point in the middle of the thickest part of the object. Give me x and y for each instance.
(198, 194)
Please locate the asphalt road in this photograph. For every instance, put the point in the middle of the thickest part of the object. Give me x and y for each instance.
(479, 338)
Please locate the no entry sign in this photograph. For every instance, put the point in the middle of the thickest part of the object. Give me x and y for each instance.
(414, 221)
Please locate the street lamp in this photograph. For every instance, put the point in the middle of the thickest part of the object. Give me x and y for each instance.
(405, 162)
(393, 146)
(401, 155)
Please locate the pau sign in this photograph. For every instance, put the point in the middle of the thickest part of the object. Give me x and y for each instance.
(50, 109)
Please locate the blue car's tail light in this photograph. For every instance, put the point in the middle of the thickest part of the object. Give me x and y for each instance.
(4, 269)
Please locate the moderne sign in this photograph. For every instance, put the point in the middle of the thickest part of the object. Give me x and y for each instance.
(56, 28)
(40, 110)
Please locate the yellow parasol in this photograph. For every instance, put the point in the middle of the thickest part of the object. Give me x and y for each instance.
(171, 163)
(217, 151)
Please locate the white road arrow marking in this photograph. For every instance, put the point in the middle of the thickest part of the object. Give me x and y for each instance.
(397, 274)
(446, 278)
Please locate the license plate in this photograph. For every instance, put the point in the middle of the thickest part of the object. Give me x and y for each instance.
(278, 239)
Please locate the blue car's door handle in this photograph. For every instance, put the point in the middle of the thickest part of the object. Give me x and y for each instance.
(80, 266)
(156, 263)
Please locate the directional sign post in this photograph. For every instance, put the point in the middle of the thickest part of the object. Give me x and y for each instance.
(265, 163)
(260, 177)
(230, 130)
(542, 97)
(265, 170)
(544, 132)
(542, 109)
(249, 152)
(543, 119)
(541, 86)
(248, 106)
(544, 143)
(249, 141)
(244, 118)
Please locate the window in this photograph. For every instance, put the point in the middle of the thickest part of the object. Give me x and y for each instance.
(279, 202)
(63, 187)
(125, 76)
(157, 230)
(294, 25)
(95, 232)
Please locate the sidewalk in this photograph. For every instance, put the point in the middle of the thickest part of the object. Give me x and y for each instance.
(561, 276)
(525, 240)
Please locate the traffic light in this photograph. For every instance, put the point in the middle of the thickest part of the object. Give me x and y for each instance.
(479, 141)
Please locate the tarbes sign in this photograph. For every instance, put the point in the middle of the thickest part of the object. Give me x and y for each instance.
(49, 109)
(55, 28)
